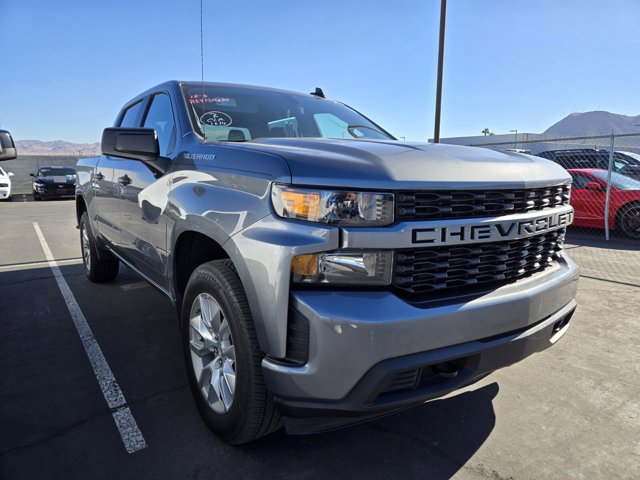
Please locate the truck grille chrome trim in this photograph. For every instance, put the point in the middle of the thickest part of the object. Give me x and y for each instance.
(462, 267)
(448, 204)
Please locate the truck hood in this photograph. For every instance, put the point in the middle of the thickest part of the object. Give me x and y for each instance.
(407, 165)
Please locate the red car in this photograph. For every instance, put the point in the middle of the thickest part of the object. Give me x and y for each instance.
(588, 194)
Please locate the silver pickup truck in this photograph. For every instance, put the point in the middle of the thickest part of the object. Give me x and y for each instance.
(324, 272)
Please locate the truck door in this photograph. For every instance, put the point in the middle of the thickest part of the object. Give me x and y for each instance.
(108, 191)
(144, 193)
(106, 200)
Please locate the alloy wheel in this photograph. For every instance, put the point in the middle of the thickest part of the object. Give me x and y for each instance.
(212, 353)
(86, 248)
(630, 222)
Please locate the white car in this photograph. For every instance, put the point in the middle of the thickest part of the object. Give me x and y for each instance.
(5, 184)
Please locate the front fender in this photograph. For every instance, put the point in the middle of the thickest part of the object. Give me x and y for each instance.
(262, 255)
(234, 211)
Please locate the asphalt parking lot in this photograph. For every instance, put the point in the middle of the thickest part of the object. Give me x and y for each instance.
(572, 411)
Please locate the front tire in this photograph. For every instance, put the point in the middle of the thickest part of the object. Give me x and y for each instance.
(223, 356)
(629, 221)
(98, 270)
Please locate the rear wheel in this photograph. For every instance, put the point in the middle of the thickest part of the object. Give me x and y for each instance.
(223, 357)
(99, 270)
(629, 221)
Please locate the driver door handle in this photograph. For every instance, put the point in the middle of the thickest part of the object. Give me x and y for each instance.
(124, 180)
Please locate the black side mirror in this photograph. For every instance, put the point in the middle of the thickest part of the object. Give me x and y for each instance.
(32, 175)
(7, 147)
(136, 144)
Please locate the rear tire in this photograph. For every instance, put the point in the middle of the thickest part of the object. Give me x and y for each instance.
(98, 270)
(223, 356)
(628, 221)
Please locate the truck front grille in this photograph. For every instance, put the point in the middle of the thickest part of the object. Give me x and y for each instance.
(447, 204)
(463, 267)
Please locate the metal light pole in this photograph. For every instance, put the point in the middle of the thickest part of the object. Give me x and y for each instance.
(443, 17)
(608, 191)
(515, 139)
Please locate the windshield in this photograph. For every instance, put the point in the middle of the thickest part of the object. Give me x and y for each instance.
(232, 113)
(619, 181)
(634, 156)
(56, 172)
(2, 173)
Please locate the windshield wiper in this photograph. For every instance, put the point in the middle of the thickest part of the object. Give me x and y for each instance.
(351, 128)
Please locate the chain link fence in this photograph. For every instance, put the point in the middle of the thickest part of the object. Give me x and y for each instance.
(605, 236)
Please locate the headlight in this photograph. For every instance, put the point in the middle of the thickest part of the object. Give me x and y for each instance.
(336, 207)
(344, 268)
(38, 184)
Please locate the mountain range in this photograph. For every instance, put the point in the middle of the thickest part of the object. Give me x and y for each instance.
(594, 123)
(56, 147)
(573, 125)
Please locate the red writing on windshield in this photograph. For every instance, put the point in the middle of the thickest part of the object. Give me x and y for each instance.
(204, 98)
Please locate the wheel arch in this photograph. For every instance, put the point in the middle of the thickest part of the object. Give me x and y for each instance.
(81, 207)
(191, 249)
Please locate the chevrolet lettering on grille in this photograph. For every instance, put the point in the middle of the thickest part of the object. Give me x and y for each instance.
(492, 231)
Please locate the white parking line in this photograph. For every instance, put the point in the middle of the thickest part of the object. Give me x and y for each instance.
(27, 265)
(126, 424)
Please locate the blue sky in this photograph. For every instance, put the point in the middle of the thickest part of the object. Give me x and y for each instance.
(68, 66)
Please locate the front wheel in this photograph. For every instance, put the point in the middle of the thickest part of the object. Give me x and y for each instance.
(629, 221)
(99, 270)
(223, 357)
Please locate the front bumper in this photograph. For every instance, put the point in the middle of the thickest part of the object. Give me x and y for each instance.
(371, 353)
(5, 192)
(55, 191)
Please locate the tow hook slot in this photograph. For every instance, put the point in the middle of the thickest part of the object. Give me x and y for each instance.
(560, 324)
(560, 327)
(446, 370)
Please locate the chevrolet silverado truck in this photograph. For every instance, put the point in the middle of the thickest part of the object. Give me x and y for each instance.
(324, 273)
